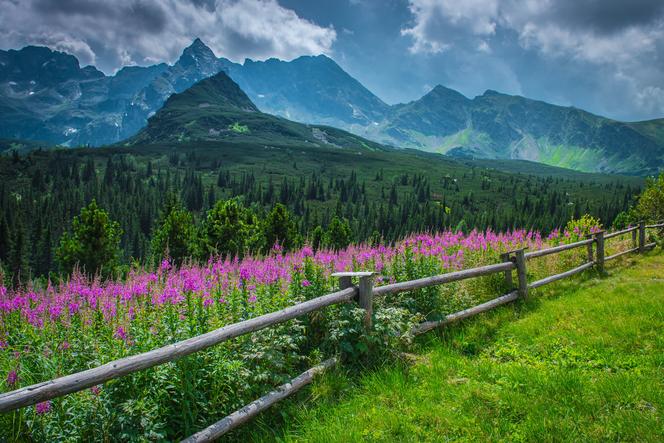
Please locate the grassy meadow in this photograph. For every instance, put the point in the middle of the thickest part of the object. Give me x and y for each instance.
(581, 360)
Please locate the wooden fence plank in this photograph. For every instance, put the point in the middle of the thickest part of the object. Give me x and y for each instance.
(254, 408)
(555, 250)
(618, 233)
(551, 279)
(411, 285)
(429, 325)
(611, 257)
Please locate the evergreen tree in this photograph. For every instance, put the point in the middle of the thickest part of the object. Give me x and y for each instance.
(338, 235)
(18, 259)
(93, 243)
(175, 235)
(230, 229)
(280, 227)
(4, 238)
(317, 237)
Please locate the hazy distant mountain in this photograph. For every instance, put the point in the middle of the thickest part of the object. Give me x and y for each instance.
(309, 89)
(496, 125)
(45, 95)
(216, 109)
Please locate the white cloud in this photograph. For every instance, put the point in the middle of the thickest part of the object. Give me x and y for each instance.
(538, 24)
(137, 31)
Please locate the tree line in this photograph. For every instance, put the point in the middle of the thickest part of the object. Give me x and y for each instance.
(177, 203)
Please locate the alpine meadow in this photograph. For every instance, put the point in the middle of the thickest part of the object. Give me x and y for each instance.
(269, 220)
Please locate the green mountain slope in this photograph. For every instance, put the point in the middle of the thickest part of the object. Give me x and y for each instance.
(501, 126)
(216, 109)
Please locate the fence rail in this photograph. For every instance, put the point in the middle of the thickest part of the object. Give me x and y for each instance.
(363, 293)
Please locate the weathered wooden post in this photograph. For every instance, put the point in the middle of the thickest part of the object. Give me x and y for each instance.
(366, 298)
(590, 249)
(642, 237)
(599, 262)
(345, 281)
(505, 257)
(634, 240)
(365, 289)
(520, 261)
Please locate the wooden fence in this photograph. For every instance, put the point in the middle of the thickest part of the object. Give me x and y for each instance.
(362, 293)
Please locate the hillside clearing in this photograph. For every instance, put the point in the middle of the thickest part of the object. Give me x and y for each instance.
(581, 361)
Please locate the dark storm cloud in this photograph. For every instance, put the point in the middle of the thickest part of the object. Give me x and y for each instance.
(608, 16)
(146, 16)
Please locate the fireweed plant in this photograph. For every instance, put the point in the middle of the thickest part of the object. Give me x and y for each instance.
(48, 332)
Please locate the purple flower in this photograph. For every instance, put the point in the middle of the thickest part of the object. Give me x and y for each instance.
(96, 390)
(43, 407)
(120, 333)
(12, 377)
(165, 265)
(65, 345)
(306, 283)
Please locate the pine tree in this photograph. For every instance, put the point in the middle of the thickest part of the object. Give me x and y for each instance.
(176, 234)
(279, 227)
(93, 243)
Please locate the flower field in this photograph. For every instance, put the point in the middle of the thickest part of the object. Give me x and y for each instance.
(51, 331)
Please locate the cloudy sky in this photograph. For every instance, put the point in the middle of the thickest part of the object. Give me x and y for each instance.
(606, 56)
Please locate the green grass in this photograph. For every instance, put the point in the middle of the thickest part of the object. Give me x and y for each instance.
(240, 129)
(580, 361)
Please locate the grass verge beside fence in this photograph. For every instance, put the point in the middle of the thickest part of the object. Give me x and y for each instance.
(579, 361)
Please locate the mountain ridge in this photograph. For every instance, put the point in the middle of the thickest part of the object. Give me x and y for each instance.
(216, 109)
(84, 106)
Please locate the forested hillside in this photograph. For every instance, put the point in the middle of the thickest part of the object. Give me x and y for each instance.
(374, 195)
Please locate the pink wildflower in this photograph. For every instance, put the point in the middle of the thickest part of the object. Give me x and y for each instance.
(12, 377)
(306, 283)
(120, 333)
(43, 407)
(165, 265)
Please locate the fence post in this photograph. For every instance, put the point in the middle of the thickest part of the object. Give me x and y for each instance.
(366, 299)
(599, 238)
(590, 249)
(505, 257)
(345, 282)
(642, 237)
(634, 234)
(520, 261)
(365, 290)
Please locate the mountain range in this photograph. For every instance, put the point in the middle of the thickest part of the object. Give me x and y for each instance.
(45, 95)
